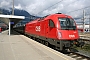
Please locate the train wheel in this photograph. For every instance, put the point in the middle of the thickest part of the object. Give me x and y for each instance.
(46, 43)
(42, 42)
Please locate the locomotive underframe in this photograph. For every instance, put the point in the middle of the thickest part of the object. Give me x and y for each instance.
(59, 44)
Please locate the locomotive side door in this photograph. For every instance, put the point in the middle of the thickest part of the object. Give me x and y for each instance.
(46, 29)
(50, 30)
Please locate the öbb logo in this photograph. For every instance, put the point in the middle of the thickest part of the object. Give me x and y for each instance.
(37, 28)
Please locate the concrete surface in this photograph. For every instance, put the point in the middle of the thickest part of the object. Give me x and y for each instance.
(19, 47)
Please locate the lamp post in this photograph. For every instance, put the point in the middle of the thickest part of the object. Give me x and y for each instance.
(83, 21)
(13, 7)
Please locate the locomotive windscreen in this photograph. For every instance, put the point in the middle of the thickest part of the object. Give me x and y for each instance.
(67, 24)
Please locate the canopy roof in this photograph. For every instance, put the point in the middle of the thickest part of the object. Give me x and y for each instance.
(12, 18)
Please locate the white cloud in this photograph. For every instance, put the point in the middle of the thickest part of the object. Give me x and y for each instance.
(18, 6)
(4, 4)
(36, 6)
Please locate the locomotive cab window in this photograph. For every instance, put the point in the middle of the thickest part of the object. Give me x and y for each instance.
(67, 24)
(51, 23)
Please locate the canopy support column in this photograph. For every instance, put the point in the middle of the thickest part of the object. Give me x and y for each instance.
(9, 28)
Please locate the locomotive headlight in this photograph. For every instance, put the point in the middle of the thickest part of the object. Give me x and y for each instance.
(59, 35)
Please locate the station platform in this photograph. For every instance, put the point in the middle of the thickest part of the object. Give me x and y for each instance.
(19, 47)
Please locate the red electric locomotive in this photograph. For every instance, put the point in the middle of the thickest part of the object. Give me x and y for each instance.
(59, 30)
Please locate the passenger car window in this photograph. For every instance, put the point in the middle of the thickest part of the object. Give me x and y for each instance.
(51, 23)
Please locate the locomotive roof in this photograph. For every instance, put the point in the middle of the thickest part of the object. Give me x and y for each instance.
(57, 15)
(50, 16)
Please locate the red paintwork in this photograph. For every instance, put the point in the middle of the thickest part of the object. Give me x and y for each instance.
(41, 28)
(0, 29)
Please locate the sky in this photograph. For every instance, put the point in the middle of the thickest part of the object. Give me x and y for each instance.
(45, 7)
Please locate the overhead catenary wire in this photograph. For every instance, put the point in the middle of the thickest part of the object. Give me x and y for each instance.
(65, 5)
(71, 3)
(56, 4)
(49, 7)
(79, 9)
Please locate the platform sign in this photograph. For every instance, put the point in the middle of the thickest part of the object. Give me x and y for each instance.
(11, 22)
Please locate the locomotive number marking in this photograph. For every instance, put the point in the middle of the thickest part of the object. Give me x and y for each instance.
(37, 28)
(71, 36)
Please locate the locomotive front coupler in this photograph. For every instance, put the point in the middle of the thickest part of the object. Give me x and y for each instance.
(79, 43)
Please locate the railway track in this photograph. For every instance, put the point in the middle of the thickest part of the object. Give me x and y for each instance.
(78, 56)
(85, 39)
(85, 36)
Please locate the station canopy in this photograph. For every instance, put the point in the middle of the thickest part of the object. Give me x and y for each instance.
(11, 18)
